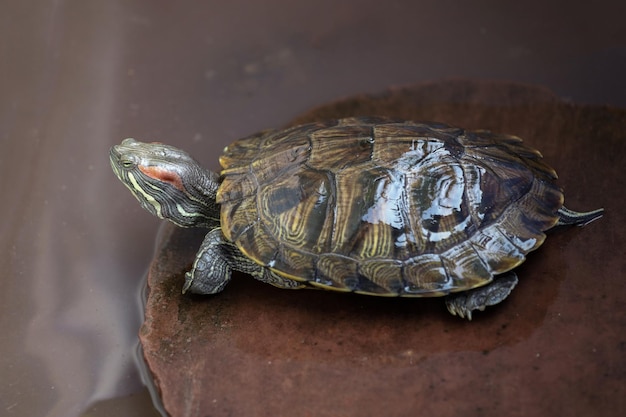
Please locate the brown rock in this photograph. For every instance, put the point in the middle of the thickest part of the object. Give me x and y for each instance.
(557, 346)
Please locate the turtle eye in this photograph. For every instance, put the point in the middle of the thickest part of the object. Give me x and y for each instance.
(127, 162)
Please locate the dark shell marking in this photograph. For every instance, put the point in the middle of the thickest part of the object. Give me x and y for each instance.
(386, 207)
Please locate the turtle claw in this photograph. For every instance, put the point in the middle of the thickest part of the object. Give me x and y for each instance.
(458, 309)
(452, 308)
(462, 304)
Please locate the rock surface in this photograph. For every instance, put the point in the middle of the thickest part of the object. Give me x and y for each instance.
(557, 346)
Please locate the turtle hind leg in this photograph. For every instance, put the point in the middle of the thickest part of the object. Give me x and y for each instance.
(569, 217)
(463, 303)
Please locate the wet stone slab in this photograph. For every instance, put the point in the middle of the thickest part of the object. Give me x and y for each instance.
(556, 346)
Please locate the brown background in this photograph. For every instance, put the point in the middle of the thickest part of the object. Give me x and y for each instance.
(77, 77)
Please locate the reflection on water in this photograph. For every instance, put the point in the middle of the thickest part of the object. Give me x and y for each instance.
(95, 316)
(137, 404)
(68, 289)
(156, 405)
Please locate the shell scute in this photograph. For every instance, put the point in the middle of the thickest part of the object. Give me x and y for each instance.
(297, 208)
(463, 261)
(260, 245)
(329, 150)
(335, 271)
(240, 184)
(425, 274)
(386, 274)
(245, 149)
(496, 250)
(238, 216)
(295, 264)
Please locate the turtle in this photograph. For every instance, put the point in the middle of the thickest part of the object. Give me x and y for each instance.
(369, 205)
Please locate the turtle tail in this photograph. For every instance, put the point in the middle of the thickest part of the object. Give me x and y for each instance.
(569, 217)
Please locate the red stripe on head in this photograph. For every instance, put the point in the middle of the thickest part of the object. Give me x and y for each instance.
(163, 175)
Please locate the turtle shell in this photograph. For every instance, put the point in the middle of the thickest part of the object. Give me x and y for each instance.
(386, 207)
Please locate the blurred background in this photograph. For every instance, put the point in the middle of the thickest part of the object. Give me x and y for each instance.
(78, 76)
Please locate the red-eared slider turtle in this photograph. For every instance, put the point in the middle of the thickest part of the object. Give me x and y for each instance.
(368, 205)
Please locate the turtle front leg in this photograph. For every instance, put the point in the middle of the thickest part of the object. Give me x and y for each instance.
(212, 269)
(464, 303)
(215, 261)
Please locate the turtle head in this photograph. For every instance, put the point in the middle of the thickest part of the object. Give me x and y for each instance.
(167, 182)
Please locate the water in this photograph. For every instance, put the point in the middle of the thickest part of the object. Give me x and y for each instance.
(77, 77)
